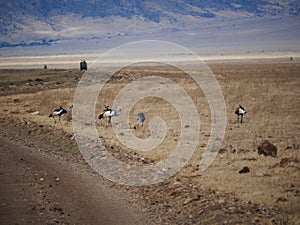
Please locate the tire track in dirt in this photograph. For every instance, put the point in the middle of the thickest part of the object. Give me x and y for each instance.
(38, 188)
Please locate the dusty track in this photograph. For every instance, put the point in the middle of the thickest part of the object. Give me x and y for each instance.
(39, 188)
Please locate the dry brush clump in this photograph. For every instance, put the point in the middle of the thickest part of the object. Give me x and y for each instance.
(49, 100)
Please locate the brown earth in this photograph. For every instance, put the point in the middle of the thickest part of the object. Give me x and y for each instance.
(269, 193)
(40, 186)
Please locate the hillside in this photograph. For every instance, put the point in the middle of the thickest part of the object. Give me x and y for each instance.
(108, 23)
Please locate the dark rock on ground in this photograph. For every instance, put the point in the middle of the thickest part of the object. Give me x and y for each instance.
(267, 149)
(245, 170)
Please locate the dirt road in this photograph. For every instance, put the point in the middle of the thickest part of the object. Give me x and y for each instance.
(39, 188)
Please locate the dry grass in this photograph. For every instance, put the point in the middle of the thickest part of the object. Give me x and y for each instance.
(271, 94)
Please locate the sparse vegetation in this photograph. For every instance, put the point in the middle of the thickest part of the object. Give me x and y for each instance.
(269, 91)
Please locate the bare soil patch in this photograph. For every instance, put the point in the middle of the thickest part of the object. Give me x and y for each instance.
(45, 181)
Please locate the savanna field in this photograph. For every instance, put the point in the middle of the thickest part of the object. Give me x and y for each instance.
(269, 193)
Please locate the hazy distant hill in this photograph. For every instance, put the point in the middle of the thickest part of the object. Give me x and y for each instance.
(46, 22)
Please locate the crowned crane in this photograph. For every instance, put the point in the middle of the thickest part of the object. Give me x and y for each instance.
(240, 112)
(109, 113)
(140, 120)
(59, 112)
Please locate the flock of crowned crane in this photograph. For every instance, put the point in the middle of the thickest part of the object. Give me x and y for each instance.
(108, 113)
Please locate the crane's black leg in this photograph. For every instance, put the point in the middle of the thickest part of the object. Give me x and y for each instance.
(59, 120)
(109, 121)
